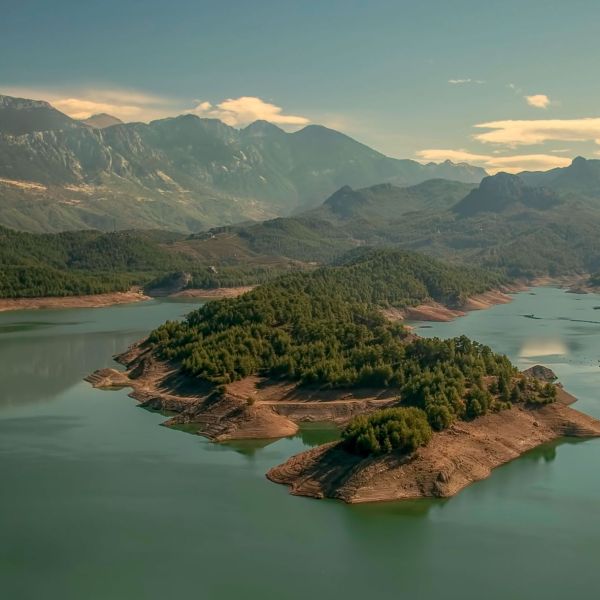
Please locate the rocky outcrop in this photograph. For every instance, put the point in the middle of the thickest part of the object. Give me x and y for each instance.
(542, 373)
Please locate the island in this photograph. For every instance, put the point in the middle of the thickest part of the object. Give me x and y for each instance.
(419, 417)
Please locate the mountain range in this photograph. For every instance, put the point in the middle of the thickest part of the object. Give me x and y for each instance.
(502, 223)
(184, 173)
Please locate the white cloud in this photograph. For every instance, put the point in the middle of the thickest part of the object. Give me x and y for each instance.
(463, 81)
(245, 110)
(494, 163)
(538, 131)
(538, 100)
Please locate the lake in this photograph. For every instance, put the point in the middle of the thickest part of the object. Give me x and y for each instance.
(97, 501)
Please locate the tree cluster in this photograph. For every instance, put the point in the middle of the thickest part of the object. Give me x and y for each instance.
(383, 431)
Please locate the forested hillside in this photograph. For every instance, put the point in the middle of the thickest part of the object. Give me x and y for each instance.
(324, 328)
(503, 224)
(92, 262)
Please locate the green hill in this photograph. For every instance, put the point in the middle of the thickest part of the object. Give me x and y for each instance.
(325, 329)
(89, 262)
(501, 224)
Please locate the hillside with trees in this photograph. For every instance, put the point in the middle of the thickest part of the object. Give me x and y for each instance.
(93, 262)
(504, 224)
(325, 329)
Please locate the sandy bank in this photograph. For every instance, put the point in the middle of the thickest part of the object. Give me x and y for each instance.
(454, 458)
(91, 301)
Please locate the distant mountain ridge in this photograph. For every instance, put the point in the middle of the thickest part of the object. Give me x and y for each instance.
(501, 224)
(183, 173)
(101, 120)
(581, 176)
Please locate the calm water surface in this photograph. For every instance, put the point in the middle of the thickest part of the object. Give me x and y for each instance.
(99, 502)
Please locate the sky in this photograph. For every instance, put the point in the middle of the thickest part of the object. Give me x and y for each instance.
(507, 85)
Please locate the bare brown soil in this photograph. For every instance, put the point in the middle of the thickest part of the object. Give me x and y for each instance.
(91, 301)
(574, 284)
(434, 311)
(254, 407)
(454, 458)
(259, 408)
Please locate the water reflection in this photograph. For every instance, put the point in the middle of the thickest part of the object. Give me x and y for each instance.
(51, 365)
(309, 434)
(543, 346)
(547, 453)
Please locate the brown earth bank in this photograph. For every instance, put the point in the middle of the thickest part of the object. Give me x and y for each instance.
(103, 300)
(434, 311)
(454, 458)
(574, 284)
(260, 408)
(253, 408)
(90, 301)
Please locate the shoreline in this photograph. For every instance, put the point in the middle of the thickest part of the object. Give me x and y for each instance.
(84, 301)
(111, 299)
(251, 408)
(430, 311)
(468, 451)
(437, 312)
(259, 408)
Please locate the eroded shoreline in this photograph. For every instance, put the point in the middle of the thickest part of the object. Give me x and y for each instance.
(466, 452)
(58, 302)
(261, 408)
(258, 408)
(112, 299)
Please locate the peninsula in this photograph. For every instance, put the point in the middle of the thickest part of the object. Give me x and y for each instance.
(420, 417)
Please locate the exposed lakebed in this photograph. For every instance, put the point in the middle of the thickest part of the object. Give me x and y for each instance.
(99, 502)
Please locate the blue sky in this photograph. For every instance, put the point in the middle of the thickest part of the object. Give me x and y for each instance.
(411, 79)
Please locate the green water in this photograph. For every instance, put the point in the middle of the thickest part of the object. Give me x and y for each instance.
(99, 502)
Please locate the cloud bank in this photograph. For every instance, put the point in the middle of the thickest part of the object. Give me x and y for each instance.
(131, 105)
(538, 131)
